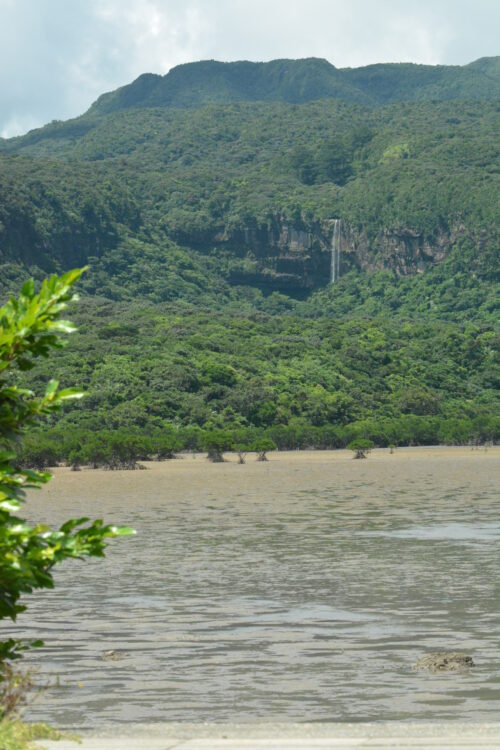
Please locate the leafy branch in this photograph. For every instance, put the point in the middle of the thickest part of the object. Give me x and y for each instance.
(31, 327)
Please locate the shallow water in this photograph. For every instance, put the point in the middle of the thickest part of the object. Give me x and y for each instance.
(303, 589)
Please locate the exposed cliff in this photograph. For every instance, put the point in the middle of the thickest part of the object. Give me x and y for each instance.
(282, 256)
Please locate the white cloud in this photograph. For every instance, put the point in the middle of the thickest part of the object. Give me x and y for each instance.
(16, 125)
(57, 56)
(153, 36)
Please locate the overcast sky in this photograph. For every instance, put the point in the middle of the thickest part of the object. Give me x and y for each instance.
(58, 56)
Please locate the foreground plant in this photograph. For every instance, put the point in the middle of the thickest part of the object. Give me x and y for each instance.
(31, 327)
(16, 735)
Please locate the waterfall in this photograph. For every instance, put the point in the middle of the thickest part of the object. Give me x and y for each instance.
(335, 258)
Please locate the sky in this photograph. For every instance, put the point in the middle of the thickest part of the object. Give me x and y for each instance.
(58, 56)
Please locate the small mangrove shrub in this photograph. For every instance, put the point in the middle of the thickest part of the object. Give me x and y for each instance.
(360, 446)
(262, 446)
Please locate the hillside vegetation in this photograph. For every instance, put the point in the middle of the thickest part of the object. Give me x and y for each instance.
(203, 203)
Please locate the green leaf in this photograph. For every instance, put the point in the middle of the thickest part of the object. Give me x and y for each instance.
(70, 277)
(28, 288)
(71, 524)
(122, 530)
(9, 505)
(65, 326)
(51, 388)
(70, 393)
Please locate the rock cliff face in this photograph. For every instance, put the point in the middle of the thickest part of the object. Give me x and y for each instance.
(284, 257)
(290, 258)
(401, 250)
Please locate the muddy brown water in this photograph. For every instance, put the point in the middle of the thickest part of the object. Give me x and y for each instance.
(302, 589)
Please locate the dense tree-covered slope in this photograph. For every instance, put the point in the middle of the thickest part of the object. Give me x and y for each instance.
(213, 216)
(254, 188)
(183, 376)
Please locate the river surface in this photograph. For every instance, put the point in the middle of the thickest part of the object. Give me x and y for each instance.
(302, 589)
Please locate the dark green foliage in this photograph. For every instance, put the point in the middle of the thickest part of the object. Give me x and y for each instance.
(55, 216)
(169, 194)
(360, 446)
(315, 376)
(199, 325)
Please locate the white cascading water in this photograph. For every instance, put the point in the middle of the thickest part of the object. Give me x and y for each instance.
(335, 258)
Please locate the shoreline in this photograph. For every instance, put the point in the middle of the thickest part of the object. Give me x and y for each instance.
(288, 736)
(310, 455)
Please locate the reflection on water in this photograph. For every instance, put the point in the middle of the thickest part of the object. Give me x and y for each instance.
(298, 590)
(475, 533)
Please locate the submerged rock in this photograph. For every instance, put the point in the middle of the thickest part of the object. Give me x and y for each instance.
(112, 655)
(445, 661)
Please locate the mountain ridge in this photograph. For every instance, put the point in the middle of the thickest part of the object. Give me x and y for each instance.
(304, 80)
(196, 85)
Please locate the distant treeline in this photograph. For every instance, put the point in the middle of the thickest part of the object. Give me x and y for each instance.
(121, 448)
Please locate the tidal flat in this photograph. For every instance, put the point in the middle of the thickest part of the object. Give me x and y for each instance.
(302, 589)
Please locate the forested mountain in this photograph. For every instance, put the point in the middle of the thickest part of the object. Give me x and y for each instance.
(204, 202)
(299, 81)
